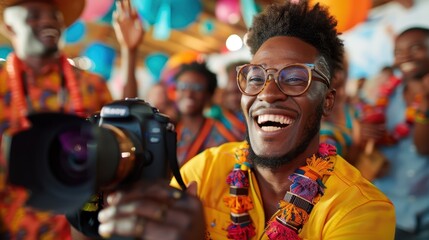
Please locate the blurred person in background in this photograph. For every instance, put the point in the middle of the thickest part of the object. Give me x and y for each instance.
(228, 110)
(341, 127)
(157, 96)
(195, 86)
(403, 135)
(336, 129)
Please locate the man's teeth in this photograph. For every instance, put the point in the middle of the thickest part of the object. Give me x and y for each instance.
(274, 118)
(270, 123)
(408, 66)
(270, 128)
(50, 32)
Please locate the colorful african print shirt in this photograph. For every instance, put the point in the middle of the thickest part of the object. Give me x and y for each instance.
(233, 121)
(212, 133)
(338, 135)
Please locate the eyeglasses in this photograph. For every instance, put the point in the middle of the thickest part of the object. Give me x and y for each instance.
(292, 80)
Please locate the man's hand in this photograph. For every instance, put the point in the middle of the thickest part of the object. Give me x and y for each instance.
(152, 211)
(364, 132)
(127, 25)
(425, 92)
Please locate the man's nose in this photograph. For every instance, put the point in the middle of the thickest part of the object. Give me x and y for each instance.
(271, 91)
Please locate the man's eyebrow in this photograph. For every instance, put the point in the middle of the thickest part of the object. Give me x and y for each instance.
(259, 64)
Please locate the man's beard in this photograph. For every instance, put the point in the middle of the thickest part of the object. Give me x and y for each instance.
(31, 46)
(52, 51)
(311, 129)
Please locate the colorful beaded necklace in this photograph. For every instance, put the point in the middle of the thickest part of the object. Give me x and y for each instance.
(19, 106)
(293, 211)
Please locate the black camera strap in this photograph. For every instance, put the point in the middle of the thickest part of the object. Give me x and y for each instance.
(172, 158)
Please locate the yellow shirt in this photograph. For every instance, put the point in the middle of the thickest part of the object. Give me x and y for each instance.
(352, 208)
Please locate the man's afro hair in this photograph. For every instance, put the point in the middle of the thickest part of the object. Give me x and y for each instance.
(312, 24)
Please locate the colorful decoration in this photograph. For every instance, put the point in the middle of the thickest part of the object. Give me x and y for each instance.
(162, 25)
(102, 57)
(248, 10)
(183, 12)
(228, 11)
(155, 63)
(306, 190)
(207, 27)
(5, 50)
(75, 32)
(108, 17)
(95, 9)
(347, 12)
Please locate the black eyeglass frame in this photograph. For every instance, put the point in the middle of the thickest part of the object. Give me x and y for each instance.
(310, 67)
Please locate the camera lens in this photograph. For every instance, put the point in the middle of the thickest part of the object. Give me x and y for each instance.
(69, 156)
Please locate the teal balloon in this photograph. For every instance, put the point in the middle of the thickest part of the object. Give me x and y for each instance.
(75, 32)
(248, 10)
(108, 18)
(103, 58)
(207, 27)
(155, 64)
(162, 27)
(183, 12)
(5, 50)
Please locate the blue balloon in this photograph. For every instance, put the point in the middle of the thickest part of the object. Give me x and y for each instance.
(183, 12)
(75, 32)
(155, 63)
(103, 57)
(5, 50)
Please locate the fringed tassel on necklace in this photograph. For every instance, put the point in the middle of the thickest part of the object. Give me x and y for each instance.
(238, 200)
(278, 231)
(306, 189)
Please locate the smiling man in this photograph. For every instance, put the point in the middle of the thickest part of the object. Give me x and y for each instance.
(280, 183)
(37, 77)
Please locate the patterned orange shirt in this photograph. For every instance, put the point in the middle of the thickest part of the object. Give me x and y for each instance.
(17, 222)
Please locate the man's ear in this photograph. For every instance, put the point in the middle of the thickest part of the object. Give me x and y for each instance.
(329, 102)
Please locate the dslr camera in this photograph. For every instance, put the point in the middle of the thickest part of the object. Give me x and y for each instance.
(63, 160)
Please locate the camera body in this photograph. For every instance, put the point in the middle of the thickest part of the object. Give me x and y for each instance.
(145, 135)
(62, 159)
